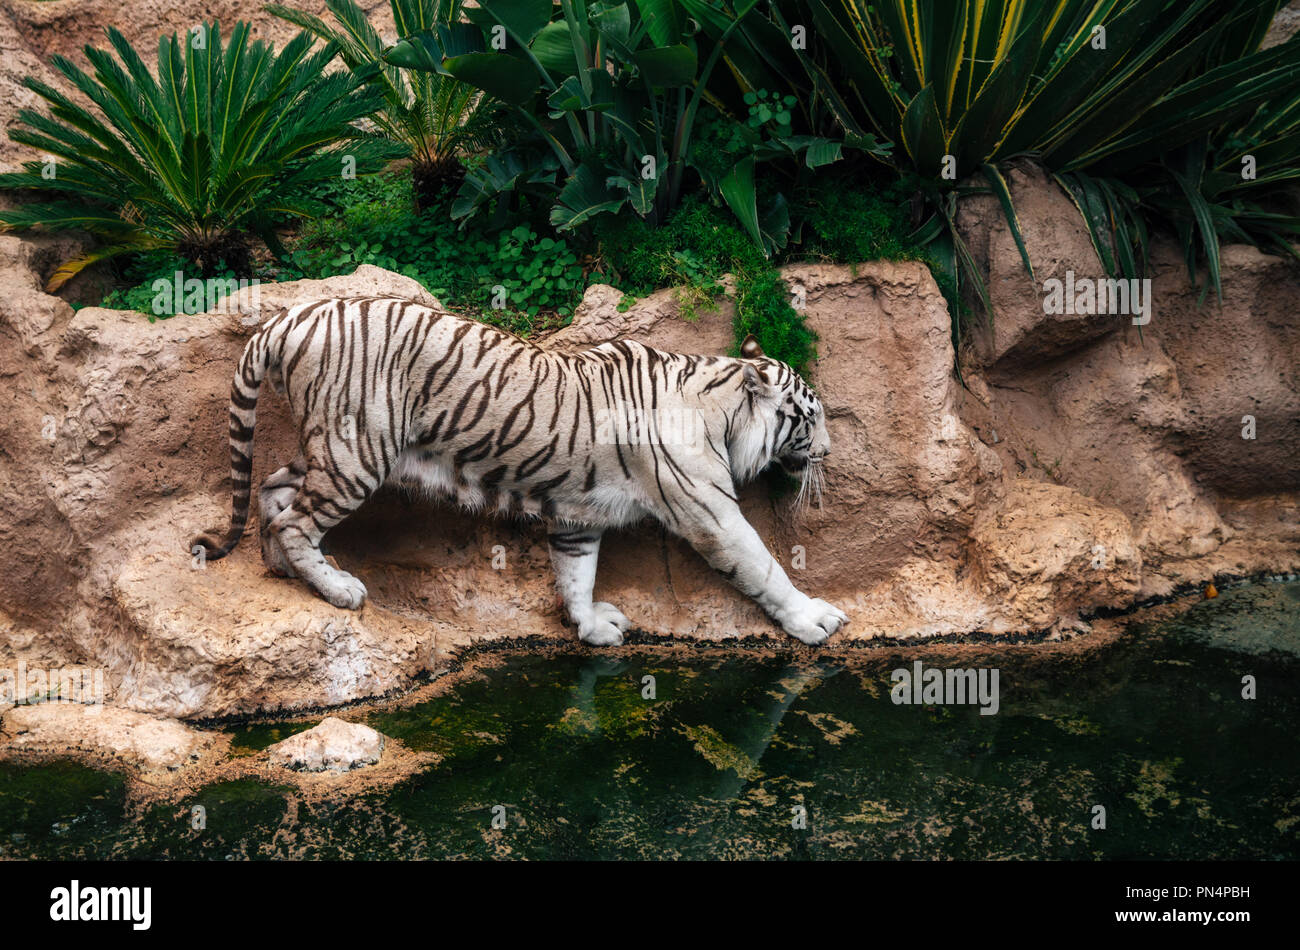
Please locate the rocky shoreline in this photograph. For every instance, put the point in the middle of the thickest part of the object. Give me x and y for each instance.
(166, 760)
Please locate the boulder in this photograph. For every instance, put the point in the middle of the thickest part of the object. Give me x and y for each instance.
(333, 745)
(110, 733)
(1236, 365)
(1022, 333)
(192, 639)
(1052, 554)
(1150, 420)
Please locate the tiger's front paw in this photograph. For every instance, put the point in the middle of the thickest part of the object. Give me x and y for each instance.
(610, 614)
(600, 633)
(814, 621)
(605, 626)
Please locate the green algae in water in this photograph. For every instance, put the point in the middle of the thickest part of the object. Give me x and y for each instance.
(564, 757)
(61, 809)
(67, 811)
(253, 737)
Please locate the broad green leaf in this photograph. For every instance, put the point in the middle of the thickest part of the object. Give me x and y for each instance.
(640, 191)
(584, 196)
(662, 21)
(774, 225)
(668, 66)
(505, 77)
(553, 48)
(419, 51)
(570, 96)
(737, 190)
(614, 24)
(523, 19)
(822, 152)
(923, 135)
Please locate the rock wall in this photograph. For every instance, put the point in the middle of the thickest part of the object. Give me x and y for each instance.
(114, 454)
(1148, 419)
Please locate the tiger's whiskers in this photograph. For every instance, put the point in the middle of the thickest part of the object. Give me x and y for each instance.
(811, 487)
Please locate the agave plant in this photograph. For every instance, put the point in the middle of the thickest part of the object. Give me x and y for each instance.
(1099, 91)
(438, 117)
(219, 146)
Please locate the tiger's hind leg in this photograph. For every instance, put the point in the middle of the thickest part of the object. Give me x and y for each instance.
(325, 498)
(275, 495)
(574, 552)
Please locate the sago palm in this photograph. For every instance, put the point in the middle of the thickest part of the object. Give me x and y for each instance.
(439, 118)
(218, 146)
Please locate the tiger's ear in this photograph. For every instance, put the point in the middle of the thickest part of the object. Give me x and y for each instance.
(750, 349)
(756, 382)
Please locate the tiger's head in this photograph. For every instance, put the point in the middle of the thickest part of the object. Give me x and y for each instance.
(792, 418)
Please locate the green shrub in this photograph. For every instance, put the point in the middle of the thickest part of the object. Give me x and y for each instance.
(512, 276)
(535, 277)
(613, 93)
(694, 248)
(851, 224)
(539, 278)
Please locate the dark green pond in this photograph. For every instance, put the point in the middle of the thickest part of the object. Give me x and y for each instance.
(566, 753)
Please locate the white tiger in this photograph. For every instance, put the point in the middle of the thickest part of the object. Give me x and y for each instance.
(385, 388)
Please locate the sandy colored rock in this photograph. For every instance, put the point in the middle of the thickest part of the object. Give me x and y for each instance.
(1232, 363)
(1052, 553)
(105, 732)
(1057, 242)
(195, 640)
(1150, 423)
(1284, 26)
(598, 319)
(906, 474)
(333, 745)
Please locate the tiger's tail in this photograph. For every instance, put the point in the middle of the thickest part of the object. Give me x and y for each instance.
(253, 367)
